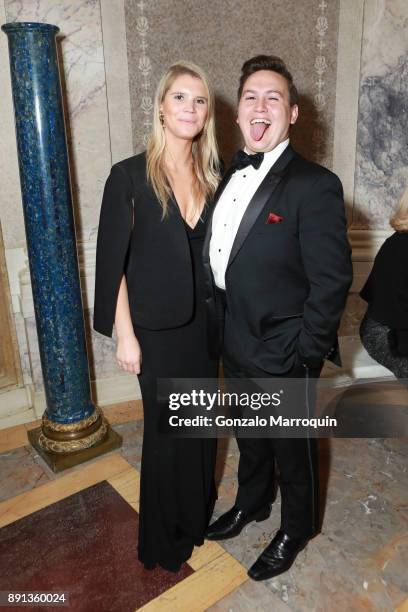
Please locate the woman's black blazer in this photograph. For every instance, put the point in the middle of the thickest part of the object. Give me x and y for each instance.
(386, 289)
(152, 252)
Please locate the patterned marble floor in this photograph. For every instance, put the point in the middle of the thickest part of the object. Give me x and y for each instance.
(358, 562)
(87, 553)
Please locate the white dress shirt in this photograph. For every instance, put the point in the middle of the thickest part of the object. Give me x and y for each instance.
(231, 208)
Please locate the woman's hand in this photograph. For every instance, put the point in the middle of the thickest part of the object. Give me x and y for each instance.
(129, 354)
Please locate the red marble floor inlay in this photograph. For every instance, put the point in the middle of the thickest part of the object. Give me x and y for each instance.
(86, 546)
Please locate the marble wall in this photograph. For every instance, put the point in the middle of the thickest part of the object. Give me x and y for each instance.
(220, 36)
(381, 161)
(382, 138)
(84, 91)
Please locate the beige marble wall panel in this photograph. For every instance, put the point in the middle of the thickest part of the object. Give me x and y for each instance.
(23, 346)
(347, 90)
(220, 36)
(117, 78)
(34, 354)
(83, 82)
(11, 212)
(382, 144)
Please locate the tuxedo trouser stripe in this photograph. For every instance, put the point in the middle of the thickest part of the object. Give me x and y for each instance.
(310, 454)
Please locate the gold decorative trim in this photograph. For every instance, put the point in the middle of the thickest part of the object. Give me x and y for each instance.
(69, 427)
(320, 67)
(145, 67)
(70, 446)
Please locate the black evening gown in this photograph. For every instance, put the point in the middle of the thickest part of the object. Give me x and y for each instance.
(177, 490)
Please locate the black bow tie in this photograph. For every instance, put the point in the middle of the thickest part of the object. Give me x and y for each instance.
(242, 160)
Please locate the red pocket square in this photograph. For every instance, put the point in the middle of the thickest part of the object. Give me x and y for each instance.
(272, 218)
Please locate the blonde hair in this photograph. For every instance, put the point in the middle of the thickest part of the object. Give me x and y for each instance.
(399, 220)
(204, 150)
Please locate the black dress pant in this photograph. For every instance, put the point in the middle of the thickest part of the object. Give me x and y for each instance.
(296, 458)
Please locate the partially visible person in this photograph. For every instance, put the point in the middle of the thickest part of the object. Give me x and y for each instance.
(384, 328)
(150, 283)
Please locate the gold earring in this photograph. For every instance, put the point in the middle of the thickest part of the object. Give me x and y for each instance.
(161, 118)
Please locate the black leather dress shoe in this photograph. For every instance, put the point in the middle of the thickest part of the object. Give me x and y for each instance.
(277, 557)
(232, 522)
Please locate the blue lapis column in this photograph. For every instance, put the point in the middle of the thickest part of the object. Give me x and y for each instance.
(71, 422)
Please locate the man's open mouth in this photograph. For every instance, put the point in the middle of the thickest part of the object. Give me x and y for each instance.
(258, 128)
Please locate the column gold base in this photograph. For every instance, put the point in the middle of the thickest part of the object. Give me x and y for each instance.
(63, 461)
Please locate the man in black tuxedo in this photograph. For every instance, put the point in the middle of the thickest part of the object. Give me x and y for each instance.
(277, 259)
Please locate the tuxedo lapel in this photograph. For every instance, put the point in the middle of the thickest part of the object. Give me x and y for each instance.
(261, 196)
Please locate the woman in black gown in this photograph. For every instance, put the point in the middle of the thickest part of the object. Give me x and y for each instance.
(150, 282)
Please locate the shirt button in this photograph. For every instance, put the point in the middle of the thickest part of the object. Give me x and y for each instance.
(219, 250)
(234, 200)
(244, 175)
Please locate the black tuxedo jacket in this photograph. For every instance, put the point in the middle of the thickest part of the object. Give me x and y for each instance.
(286, 282)
(154, 254)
